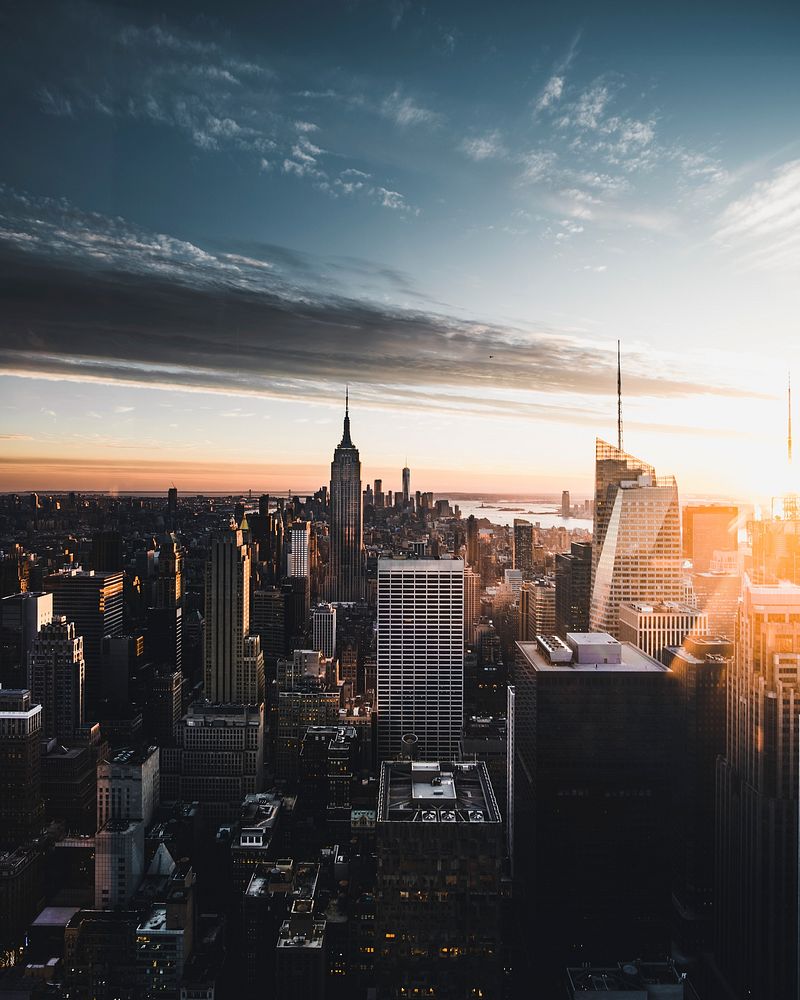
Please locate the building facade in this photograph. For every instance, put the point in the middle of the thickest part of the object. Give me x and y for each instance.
(420, 655)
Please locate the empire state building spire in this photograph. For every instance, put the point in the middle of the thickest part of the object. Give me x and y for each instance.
(346, 566)
(346, 440)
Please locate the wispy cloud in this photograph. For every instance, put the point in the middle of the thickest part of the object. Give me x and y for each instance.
(763, 227)
(404, 111)
(484, 147)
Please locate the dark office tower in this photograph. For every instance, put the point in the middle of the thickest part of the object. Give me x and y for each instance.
(708, 529)
(268, 621)
(346, 567)
(107, 552)
(440, 851)
(523, 545)
(21, 617)
(169, 581)
(700, 676)
(172, 507)
(21, 806)
(757, 784)
(378, 492)
(163, 705)
(573, 588)
(227, 617)
(406, 485)
(14, 572)
(591, 730)
(473, 548)
(93, 601)
(56, 671)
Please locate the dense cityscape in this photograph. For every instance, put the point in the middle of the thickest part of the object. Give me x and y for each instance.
(354, 744)
(399, 520)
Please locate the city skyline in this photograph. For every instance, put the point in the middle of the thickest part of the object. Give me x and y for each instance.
(209, 224)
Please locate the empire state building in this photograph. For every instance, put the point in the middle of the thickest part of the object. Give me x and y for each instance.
(346, 567)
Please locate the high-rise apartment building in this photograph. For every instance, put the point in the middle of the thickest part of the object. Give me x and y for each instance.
(227, 617)
(709, 528)
(93, 601)
(128, 785)
(21, 807)
(56, 670)
(636, 551)
(573, 588)
(523, 545)
(420, 655)
(653, 627)
(323, 629)
(346, 566)
(757, 863)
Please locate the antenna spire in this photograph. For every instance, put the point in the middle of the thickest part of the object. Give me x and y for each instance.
(619, 398)
(347, 400)
(789, 428)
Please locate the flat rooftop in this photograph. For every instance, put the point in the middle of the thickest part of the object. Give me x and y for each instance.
(431, 792)
(634, 977)
(629, 658)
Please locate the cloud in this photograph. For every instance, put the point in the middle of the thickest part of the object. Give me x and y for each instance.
(124, 409)
(404, 111)
(763, 227)
(551, 93)
(131, 308)
(485, 147)
(53, 103)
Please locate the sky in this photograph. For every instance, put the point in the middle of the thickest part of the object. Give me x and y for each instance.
(215, 217)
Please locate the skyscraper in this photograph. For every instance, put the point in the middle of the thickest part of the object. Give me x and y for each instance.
(420, 655)
(56, 668)
(227, 606)
(473, 551)
(323, 626)
(406, 485)
(757, 942)
(708, 529)
(297, 560)
(21, 807)
(93, 601)
(573, 588)
(472, 603)
(21, 617)
(523, 545)
(346, 569)
(636, 552)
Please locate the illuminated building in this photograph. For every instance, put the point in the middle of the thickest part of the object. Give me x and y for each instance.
(652, 627)
(757, 938)
(93, 601)
(636, 549)
(707, 529)
(420, 654)
(346, 566)
(297, 556)
(440, 848)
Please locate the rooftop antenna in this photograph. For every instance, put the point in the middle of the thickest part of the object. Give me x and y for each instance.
(619, 402)
(346, 400)
(789, 429)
